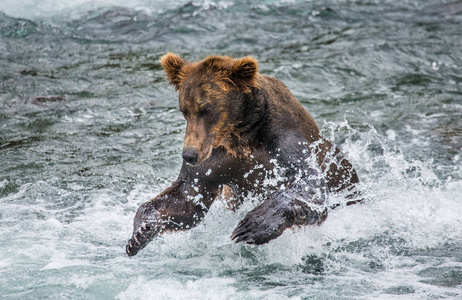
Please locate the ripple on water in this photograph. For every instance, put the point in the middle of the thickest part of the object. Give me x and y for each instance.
(89, 130)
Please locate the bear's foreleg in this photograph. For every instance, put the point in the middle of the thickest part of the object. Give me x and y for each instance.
(301, 204)
(179, 207)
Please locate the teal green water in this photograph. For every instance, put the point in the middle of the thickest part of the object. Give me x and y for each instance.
(89, 130)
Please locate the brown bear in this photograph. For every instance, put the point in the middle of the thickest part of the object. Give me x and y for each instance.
(243, 130)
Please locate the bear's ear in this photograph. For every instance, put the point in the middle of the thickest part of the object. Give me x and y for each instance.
(243, 73)
(173, 66)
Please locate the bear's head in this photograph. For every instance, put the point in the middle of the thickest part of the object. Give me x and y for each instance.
(211, 96)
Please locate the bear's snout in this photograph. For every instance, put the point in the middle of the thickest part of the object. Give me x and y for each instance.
(191, 156)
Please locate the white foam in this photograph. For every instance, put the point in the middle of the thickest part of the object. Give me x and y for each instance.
(32, 9)
(5, 263)
(37, 9)
(59, 261)
(169, 288)
(407, 208)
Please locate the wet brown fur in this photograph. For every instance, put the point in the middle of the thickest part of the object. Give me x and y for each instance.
(239, 123)
(216, 76)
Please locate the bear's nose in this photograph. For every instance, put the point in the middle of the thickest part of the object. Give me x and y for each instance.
(190, 156)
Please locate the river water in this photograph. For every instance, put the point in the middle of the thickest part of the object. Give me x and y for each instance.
(89, 130)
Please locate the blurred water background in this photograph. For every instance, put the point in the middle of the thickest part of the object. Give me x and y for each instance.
(89, 130)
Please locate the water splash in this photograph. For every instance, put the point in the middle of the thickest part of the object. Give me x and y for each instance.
(90, 130)
(406, 214)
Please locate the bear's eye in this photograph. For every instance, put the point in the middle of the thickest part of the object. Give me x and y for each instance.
(205, 110)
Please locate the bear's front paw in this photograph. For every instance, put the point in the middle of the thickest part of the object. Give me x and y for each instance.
(146, 226)
(140, 238)
(259, 227)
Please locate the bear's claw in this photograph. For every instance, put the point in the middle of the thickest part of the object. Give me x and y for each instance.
(240, 234)
(257, 228)
(140, 239)
(258, 235)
